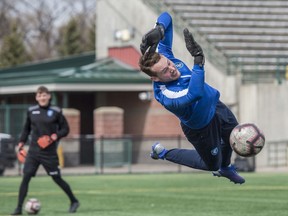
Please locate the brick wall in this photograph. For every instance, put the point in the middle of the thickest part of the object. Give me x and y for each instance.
(159, 121)
(108, 121)
(126, 54)
(73, 119)
(150, 119)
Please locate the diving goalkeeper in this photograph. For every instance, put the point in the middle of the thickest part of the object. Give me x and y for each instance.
(205, 120)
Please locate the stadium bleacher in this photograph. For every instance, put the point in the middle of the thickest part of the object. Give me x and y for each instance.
(252, 34)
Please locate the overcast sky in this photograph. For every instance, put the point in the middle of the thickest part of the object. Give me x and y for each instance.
(66, 7)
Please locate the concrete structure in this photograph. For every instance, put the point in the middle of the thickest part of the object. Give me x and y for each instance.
(263, 101)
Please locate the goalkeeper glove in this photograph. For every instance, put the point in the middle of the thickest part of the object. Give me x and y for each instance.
(151, 39)
(46, 140)
(194, 48)
(21, 155)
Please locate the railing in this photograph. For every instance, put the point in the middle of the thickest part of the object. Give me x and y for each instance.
(260, 70)
(278, 153)
(12, 117)
(131, 154)
(127, 154)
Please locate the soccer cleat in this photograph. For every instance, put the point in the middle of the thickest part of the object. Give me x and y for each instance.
(230, 173)
(73, 207)
(158, 151)
(17, 211)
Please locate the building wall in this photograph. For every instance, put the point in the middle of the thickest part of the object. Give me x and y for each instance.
(108, 122)
(264, 104)
(73, 119)
(147, 118)
(159, 121)
(128, 55)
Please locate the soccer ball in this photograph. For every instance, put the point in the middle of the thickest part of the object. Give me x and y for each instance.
(32, 206)
(247, 140)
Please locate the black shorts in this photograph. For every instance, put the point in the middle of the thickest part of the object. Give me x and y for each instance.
(212, 141)
(50, 162)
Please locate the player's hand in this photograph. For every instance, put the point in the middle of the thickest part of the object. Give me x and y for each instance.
(54, 137)
(194, 48)
(20, 146)
(151, 39)
(21, 154)
(44, 141)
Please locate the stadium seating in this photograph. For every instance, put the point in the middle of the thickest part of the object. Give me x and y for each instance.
(251, 34)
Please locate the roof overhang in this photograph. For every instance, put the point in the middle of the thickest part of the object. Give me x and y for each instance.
(84, 87)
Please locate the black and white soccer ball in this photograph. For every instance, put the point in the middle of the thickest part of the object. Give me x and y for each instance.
(247, 140)
(32, 206)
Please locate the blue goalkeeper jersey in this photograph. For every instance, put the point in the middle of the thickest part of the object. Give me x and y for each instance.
(191, 99)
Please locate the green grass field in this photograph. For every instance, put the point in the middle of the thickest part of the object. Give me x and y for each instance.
(197, 194)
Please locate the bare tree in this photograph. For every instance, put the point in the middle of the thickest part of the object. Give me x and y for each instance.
(5, 17)
(40, 21)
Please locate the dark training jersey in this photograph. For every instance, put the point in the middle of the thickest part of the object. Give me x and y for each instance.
(191, 99)
(44, 121)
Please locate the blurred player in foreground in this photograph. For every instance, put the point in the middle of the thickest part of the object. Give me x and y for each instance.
(205, 120)
(47, 125)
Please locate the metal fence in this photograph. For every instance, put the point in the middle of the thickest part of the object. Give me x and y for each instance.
(12, 117)
(278, 153)
(131, 154)
(128, 154)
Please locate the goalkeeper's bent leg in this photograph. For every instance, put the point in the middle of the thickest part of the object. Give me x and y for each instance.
(65, 187)
(186, 157)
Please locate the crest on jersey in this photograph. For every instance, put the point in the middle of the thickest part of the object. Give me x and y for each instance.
(179, 65)
(50, 113)
(214, 151)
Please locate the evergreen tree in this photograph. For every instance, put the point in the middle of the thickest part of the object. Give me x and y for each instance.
(13, 51)
(70, 42)
(92, 38)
